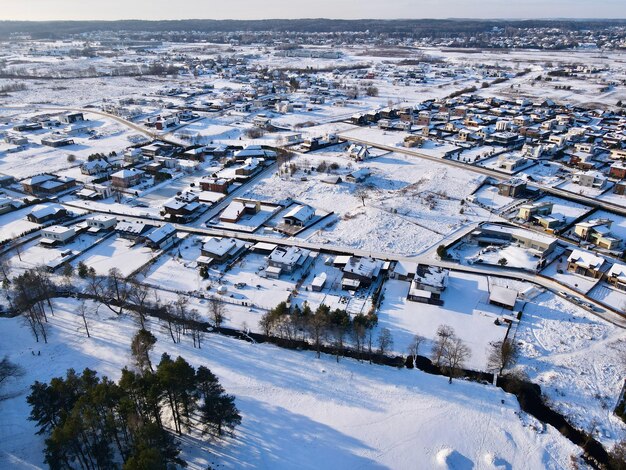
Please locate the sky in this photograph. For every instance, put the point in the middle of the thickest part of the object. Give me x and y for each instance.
(41, 10)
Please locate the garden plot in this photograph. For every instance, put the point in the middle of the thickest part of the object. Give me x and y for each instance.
(295, 408)
(429, 194)
(116, 252)
(248, 223)
(255, 289)
(465, 300)
(511, 256)
(15, 223)
(613, 198)
(488, 196)
(609, 295)
(576, 359)
(33, 254)
(583, 190)
(545, 173)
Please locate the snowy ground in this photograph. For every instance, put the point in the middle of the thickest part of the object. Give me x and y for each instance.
(576, 358)
(557, 270)
(460, 311)
(297, 410)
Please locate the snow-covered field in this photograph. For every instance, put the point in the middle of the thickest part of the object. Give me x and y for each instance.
(298, 411)
(577, 359)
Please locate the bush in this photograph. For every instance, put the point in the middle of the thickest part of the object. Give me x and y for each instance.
(71, 158)
(371, 91)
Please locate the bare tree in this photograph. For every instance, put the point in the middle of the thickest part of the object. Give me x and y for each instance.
(195, 325)
(217, 312)
(5, 269)
(501, 355)
(444, 334)
(385, 341)
(9, 370)
(138, 295)
(414, 348)
(363, 193)
(455, 355)
(82, 311)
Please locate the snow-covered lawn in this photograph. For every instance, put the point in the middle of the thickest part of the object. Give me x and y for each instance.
(298, 411)
(15, 223)
(562, 208)
(578, 189)
(116, 252)
(577, 359)
(557, 270)
(618, 227)
(488, 196)
(515, 256)
(609, 295)
(464, 294)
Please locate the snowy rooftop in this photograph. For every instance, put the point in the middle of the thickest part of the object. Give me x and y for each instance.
(586, 259)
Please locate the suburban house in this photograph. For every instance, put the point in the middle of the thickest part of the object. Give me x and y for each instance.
(71, 118)
(46, 213)
(132, 230)
(57, 141)
(216, 185)
(490, 234)
(99, 223)
(428, 284)
(56, 235)
(238, 208)
(598, 232)
(285, 260)
(616, 276)
(220, 250)
(503, 297)
(360, 272)
(618, 170)
(358, 152)
(251, 166)
(126, 178)
(299, 216)
(47, 185)
(513, 188)
(589, 179)
(182, 208)
(620, 187)
(161, 238)
(96, 167)
(534, 209)
(586, 264)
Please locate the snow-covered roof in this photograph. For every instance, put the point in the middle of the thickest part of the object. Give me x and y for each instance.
(288, 256)
(363, 267)
(586, 259)
(301, 213)
(618, 271)
(162, 233)
(43, 210)
(221, 246)
(433, 276)
(125, 173)
(503, 296)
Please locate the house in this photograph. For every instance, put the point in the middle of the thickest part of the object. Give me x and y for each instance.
(598, 232)
(56, 141)
(428, 284)
(220, 250)
(161, 238)
(511, 164)
(358, 152)
(43, 213)
(71, 118)
(620, 187)
(586, 264)
(126, 178)
(360, 272)
(47, 185)
(238, 208)
(253, 151)
(94, 191)
(133, 230)
(285, 260)
(319, 282)
(358, 176)
(101, 222)
(299, 216)
(589, 179)
(618, 170)
(96, 167)
(404, 270)
(503, 297)
(529, 211)
(216, 185)
(56, 235)
(538, 244)
(513, 188)
(182, 208)
(251, 166)
(616, 276)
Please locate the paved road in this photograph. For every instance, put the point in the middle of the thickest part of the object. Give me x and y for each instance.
(586, 200)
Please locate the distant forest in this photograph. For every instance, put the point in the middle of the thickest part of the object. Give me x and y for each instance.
(417, 28)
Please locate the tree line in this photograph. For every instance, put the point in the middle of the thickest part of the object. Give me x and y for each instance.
(93, 423)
